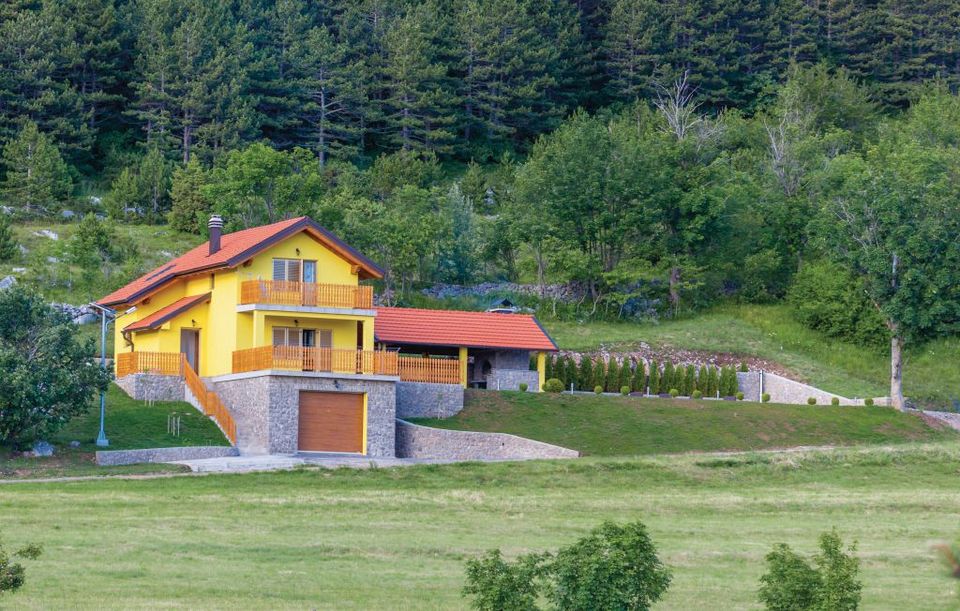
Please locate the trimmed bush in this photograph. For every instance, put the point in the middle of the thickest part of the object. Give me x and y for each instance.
(697, 394)
(598, 389)
(585, 373)
(674, 392)
(868, 402)
(834, 401)
(739, 396)
(811, 400)
(522, 386)
(765, 397)
(553, 385)
(624, 390)
(654, 378)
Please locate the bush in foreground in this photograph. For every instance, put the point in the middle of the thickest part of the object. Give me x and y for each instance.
(12, 573)
(697, 394)
(614, 567)
(522, 387)
(834, 401)
(624, 390)
(674, 393)
(598, 389)
(868, 402)
(553, 385)
(739, 396)
(811, 400)
(765, 397)
(831, 583)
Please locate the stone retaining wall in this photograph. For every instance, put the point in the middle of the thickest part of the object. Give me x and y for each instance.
(110, 458)
(415, 441)
(426, 400)
(152, 387)
(784, 390)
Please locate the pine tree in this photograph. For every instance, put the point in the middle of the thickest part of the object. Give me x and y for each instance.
(126, 193)
(37, 178)
(585, 375)
(599, 375)
(612, 378)
(416, 107)
(690, 380)
(8, 242)
(189, 207)
(634, 45)
(669, 379)
(626, 374)
(154, 176)
(654, 379)
(639, 383)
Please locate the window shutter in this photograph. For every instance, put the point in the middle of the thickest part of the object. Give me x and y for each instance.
(293, 270)
(279, 269)
(279, 336)
(326, 338)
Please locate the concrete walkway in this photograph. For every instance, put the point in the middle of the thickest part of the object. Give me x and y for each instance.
(243, 464)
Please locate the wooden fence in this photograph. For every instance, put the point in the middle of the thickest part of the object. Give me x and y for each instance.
(278, 292)
(419, 369)
(161, 363)
(295, 358)
(209, 401)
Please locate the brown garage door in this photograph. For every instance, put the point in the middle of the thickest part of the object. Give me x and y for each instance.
(331, 422)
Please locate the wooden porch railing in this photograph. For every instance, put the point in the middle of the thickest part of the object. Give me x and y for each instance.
(419, 369)
(209, 401)
(278, 292)
(295, 358)
(161, 363)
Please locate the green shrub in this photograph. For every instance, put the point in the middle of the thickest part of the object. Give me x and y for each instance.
(598, 389)
(744, 368)
(811, 400)
(868, 402)
(668, 379)
(553, 385)
(522, 386)
(585, 373)
(615, 567)
(674, 392)
(791, 583)
(697, 394)
(624, 390)
(765, 397)
(496, 584)
(12, 573)
(654, 378)
(739, 396)
(826, 297)
(834, 401)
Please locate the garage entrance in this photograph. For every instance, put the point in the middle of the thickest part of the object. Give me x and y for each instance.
(331, 422)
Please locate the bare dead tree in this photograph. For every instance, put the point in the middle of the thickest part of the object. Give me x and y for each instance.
(678, 105)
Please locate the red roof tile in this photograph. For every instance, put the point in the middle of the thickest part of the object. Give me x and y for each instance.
(235, 248)
(457, 328)
(164, 314)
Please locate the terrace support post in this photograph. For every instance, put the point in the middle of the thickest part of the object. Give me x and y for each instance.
(541, 370)
(258, 329)
(463, 366)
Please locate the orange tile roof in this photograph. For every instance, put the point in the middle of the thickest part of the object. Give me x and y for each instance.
(235, 248)
(458, 328)
(164, 314)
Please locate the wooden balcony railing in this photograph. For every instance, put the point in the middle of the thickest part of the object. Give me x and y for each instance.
(209, 401)
(278, 292)
(419, 369)
(161, 363)
(295, 358)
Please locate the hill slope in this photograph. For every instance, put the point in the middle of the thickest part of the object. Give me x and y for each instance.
(609, 426)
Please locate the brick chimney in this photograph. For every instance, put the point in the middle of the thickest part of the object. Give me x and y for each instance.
(215, 225)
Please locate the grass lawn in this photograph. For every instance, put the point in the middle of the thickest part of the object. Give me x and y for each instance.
(612, 426)
(398, 538)
(931, 374)
(129, 425)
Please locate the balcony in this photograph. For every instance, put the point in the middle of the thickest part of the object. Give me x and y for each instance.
(308, 294)
(351, 362)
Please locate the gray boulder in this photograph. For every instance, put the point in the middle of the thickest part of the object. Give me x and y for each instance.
(42, 448)
(7, 282)
(74, 444)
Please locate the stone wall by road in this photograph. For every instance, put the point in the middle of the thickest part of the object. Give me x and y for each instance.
(510, 379)
(109, 458)
(266, 407)
(152, 387)
(426, 400)
(415, 441)
(784, 390)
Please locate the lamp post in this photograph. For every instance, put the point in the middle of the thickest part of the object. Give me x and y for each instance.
(102, 440)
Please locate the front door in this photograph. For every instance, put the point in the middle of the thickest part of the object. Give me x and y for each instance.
(190, 347)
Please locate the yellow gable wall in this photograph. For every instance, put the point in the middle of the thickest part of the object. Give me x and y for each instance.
(331, 268)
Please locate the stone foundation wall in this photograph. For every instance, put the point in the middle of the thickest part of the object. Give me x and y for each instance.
(152, 387)
(415, 441)
(108, 458)
(266, 408)
(425, 400)
(510, 379)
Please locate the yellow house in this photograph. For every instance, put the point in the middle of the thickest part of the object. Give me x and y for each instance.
(270, 331)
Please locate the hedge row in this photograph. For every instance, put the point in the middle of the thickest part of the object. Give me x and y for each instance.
(613, 376)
